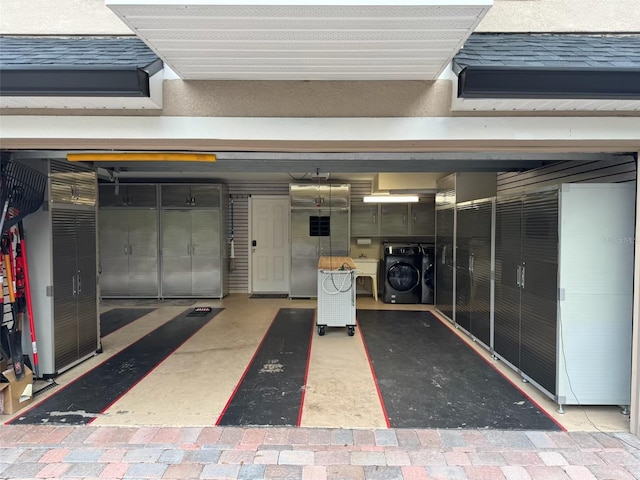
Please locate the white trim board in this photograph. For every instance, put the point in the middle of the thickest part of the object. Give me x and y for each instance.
(322, 134)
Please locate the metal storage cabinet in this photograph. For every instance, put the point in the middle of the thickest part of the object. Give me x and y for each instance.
(474, 264)
(563, 292)
(444, 261)
(128, 239)
(194, 225)
(63, 268)
(309, 205)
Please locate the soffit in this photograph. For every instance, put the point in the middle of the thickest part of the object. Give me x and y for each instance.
(310, 40)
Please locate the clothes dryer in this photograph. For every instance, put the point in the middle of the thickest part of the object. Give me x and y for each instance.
(402, 273)
(427, 274)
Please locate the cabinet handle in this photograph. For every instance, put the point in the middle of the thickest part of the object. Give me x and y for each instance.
(470, 263)
(374, 218)
(188, 249)
(73, 285)
(415, 218)
(444, 250)
(193, 248)
(518, 274)
(130, 250)
(404, 218)
(126, 249)
(79, 285)
(522, 278)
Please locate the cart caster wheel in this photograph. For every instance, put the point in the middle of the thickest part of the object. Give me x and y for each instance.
(321, 330)
(351, 331)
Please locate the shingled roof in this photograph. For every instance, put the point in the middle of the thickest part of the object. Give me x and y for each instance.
(515, 65)
(104, 66)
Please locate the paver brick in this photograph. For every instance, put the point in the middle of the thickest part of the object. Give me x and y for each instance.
(547, 473)
(236, 457)
(342, 472)
(363, 437)
(314, 472)
(407, 439)
(114, 470)
(332, 457)
(9, 455)
(298, 436)
(201, 456)
(374, 472)
(414, 473)
(509, 440)
(231, 436)
(320, 436)
(253, 436)
(266, 457)
(276, 436)
(85, 470)
(483, 472)
(296, 457)
(578, 457)
(514, 472)
(457, 458)
(553, 459)
(386, 438)
(166, 435)
(579, 472)
(146, 470)
(541, 440)
(283, 471)
(427, 457)
(341, 436)
(143, 435)
(84, 455)
(113, 455)
(487, 458)
(610, 471)
(171, 456)
(438, 472)
(521, 458)
(143, 455)
(251, 472)
(31, 455)
(429, 438)
(53, 456)
(397, 458)
(368, 458)
(220, 472)
(53, 470)
(452, 439)
(619, 458)
(209, 435)
(183, 471)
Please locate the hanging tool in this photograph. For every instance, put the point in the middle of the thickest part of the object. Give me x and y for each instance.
(15, 332)
(232, 249)
(27, 295)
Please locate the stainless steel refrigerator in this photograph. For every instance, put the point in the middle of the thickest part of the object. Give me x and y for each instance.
(319, 227)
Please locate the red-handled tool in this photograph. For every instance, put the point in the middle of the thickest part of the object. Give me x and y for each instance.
(27, 291)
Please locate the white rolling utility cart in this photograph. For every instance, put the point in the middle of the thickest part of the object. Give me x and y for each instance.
(336, 294)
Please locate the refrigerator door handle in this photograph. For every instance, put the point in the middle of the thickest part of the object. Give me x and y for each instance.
(522, 278)
(518, 275)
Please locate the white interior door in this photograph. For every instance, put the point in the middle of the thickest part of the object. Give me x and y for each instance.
(269, 244)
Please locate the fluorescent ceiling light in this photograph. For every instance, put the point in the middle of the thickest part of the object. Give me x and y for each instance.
(141, 157)
(390, 199)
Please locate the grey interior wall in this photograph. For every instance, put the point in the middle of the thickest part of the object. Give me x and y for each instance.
(240, 193)
(622, 169)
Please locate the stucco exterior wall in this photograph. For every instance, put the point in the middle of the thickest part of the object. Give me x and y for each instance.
(92, 17)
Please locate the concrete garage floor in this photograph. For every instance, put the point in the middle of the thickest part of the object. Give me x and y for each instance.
(164, 426)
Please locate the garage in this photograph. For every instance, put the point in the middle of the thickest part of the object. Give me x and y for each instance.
(412, 138)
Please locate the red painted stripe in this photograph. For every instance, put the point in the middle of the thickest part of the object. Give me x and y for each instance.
(488, 362)
(375, 379)
(306, 371)
(244, 374)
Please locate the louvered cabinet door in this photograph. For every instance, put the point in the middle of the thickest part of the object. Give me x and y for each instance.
(444, 261)
(65, 308)
(480, 254)
(464, 226)
(507, 279)
(539, 286)
(86, 283)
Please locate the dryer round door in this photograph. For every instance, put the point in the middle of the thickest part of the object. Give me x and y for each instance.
(403, 276)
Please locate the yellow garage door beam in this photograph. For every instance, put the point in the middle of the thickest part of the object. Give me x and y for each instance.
(141, 157)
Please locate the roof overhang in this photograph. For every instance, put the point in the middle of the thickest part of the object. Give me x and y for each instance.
(31, 77)
(538, 72)
(310, 40)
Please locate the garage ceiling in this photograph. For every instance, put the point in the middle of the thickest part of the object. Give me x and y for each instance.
(303, 40)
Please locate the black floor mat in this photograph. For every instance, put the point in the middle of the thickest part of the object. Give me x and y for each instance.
(269, 295)
(117, 318)
(429, 377)
(270, 393)
(82, 400)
